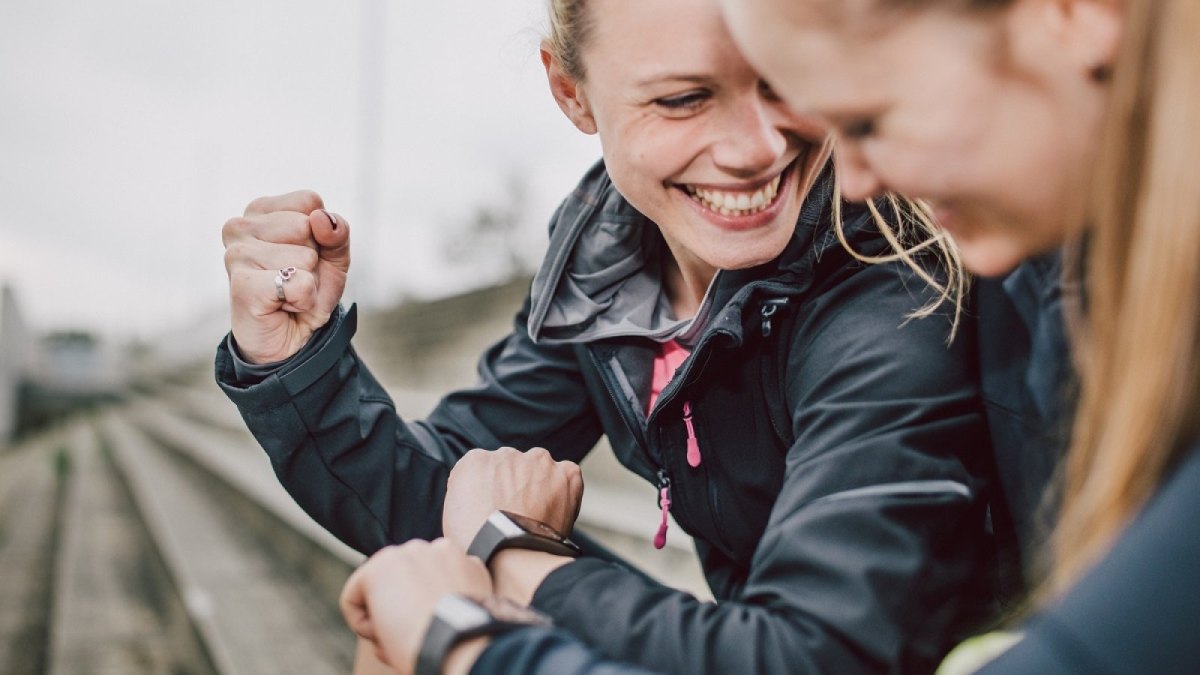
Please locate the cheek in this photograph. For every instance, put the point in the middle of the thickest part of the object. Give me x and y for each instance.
(914, 167)
(937, 152)
(650, 154)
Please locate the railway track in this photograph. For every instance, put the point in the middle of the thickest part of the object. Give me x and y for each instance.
(153, 537)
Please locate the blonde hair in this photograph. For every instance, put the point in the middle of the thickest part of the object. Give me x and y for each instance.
(913, 233)
(1138, 349)
(568, 31)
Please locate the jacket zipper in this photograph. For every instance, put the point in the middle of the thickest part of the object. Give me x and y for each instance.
(694, 457)
(693, 445)
(623, 409)
(769, 308)
(664, 503)
(690, 366)
(767, 311)
(664, 481)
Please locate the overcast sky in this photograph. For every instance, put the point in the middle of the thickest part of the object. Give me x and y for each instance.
(130, 130)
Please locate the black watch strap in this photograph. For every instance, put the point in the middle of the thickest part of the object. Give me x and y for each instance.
(504, 529)
(457, 618)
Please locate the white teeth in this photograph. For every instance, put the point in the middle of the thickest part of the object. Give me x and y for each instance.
(737, 203)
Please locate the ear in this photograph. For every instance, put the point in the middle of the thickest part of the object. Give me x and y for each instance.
(1091, 32)
(569, 93)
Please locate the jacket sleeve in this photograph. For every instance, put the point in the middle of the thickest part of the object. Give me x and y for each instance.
(372, 478)
(1137, 610)
(546, 651)
(874, 543)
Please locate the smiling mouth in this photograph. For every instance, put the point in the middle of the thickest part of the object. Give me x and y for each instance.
(737, 203)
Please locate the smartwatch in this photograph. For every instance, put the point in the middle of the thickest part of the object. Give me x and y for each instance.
(505, 529)
(457, 618)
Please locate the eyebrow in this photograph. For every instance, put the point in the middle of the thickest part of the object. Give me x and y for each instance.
(846, 116)
(674, 77)
(842, 112)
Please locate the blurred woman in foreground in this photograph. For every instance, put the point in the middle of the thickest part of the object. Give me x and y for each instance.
(1055, 121)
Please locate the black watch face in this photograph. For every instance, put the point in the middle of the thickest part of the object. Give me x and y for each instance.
(535, 526)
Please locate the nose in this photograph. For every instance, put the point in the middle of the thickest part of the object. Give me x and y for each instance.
(753, 141)
(856, 179)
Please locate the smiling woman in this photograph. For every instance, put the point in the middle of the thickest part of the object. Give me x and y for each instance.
(697, 140)
(690, 140)
(696, 307)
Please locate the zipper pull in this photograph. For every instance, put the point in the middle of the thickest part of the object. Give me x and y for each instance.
(693, 445)
(769, 307)
(664, 502)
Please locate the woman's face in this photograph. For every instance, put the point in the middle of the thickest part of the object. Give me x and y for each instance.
(991, 116)
(691, 135)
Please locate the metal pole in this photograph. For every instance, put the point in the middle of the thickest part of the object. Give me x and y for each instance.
(362, 286)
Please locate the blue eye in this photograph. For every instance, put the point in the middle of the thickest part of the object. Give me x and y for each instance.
(687, 101)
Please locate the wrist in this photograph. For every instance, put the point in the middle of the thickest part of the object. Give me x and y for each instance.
(462, 657)
(517, 573)
(458, 620)
(505, 529)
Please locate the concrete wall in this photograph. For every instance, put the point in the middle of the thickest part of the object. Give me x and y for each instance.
(14, 348)
(434, 346)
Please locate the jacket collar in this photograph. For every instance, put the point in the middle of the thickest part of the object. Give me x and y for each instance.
(602, 278)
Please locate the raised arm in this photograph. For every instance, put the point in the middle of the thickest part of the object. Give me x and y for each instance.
(336, 442)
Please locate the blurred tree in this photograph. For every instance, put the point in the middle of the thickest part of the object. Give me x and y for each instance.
(489, 240)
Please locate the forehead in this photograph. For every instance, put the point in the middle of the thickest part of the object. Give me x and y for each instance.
(827, 60)
(817, 70)
(639, 36)
(782, 17)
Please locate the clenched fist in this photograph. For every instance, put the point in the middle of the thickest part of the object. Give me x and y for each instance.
(389, 601)
(528, 483)
(287, 260)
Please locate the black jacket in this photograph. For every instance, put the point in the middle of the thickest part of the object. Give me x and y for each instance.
(1137, 611)
(1028, 386)
(1029, 390)
(835, 510)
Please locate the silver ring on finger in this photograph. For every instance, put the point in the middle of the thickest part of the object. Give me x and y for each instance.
(280, 279)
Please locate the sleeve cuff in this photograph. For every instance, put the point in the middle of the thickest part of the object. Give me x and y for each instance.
(270, 384)
(552, 595)
(247, 374)
(545, 651)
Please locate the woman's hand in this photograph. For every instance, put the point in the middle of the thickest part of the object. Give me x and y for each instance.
(287, 232)
(527, 483)
(389, 600)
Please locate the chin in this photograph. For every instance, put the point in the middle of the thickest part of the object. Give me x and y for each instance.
(735, 257)
(992, 256)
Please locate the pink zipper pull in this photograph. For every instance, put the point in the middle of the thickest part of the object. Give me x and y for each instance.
(693, 445)
(664, 501)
